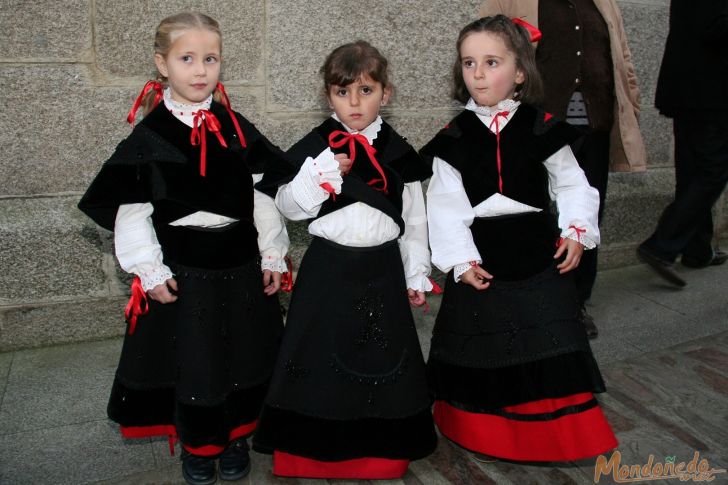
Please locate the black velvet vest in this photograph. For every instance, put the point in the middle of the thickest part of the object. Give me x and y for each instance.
(529, 138)
(158, 164)
(400, 162)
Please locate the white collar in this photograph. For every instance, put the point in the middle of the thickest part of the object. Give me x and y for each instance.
(509, 105)
(370, 132)
(184, 112)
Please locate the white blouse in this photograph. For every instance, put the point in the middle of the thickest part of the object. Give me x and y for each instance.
(135, 240)
(450, 214)
(358, 224)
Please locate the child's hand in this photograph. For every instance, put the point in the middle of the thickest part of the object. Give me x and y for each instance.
(573, 250)
(416, 298)
(162, 293)
(271, 282)
(344, 162)
(476, 277)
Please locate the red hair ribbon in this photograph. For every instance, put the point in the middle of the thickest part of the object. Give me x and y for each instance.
(351, 138)
(158, 95)
(287, 278)
(226, 103)
(504, 114)
(532, 30)
(203, 122)
(137, 305)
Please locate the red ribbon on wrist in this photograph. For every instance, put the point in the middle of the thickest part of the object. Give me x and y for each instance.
(287, 278)
(137, 305)
(579, 232)
(158, 96)
(338, 139)
(204, 120)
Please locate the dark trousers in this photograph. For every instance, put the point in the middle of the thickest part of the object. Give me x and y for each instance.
(701, 173)
(592, 153)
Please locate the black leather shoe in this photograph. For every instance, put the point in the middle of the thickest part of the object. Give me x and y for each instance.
(198, 470)
(591, 328)
(235, 461)
(663, 268)
(719, 257)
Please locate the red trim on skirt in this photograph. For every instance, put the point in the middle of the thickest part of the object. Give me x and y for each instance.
(570, 437)
(287, 465)
(170, 431)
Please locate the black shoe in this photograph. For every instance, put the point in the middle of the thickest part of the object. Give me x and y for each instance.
(661, 267)
(235, 461)
(198, 470)
(719, 257)
(591, 328)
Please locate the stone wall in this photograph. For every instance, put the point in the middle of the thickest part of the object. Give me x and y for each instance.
(70, 70)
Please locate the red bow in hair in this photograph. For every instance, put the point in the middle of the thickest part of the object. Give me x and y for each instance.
(203, 122)
(158, 95)
(226, 103)
(345, 137)
(532, 31)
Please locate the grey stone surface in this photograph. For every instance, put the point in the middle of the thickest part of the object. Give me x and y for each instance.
(54, 140)
(51, 252)
(6, 360)
(657, 135)
(124, 38)
(47, 31)
(418, 39)
(74, 455)
(40, 325)
(59, 386)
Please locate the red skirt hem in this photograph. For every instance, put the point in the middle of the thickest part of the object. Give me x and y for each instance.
(570, 437)
(171, 431)
(287, 465)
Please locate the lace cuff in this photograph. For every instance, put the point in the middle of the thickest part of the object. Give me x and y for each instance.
(459, 269)
(419, 282)
(155, 276)
(306, 185)
(579, 235)
(273, 264)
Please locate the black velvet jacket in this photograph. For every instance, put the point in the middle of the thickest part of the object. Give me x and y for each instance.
(158, 164)
(400, 162)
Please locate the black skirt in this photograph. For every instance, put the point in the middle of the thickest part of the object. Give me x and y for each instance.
(350, 380)
(199, 365)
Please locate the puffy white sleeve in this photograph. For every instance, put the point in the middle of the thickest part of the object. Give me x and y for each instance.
(576, 201)
(449, 217)
(273, 239)
(137, 247)
(413, 243)
(302, 197)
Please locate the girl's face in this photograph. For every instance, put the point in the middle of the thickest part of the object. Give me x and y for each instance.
(192, 65)
(357, 104)
(489, 68)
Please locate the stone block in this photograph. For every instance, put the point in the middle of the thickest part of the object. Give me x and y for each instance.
(418, 38)
(50, 324)
(59, 386)
(125, 36)
(51, 252)
(46, 31)
(657, 134)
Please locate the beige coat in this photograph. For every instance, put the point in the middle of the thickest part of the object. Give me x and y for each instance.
(627, 150)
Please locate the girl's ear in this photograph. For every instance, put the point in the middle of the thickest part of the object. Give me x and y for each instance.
(520, 76)
(387, 95)
(161, 64)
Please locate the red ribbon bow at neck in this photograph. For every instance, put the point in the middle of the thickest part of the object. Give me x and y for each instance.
(339, 138)
(503, 114)
(204, 120)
